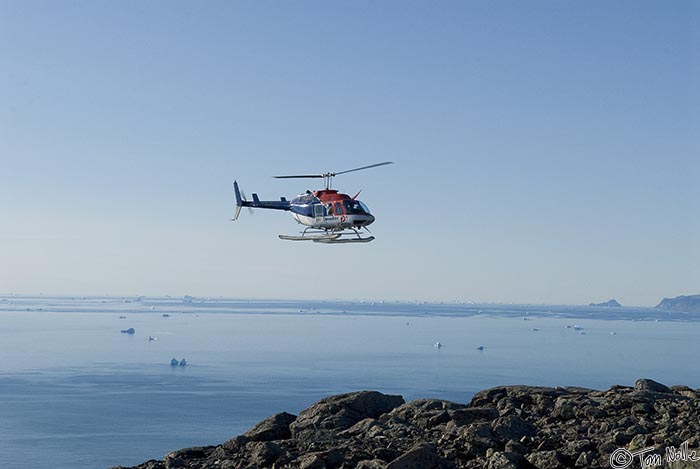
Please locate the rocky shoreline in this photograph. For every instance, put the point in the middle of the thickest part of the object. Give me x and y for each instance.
(502, 427)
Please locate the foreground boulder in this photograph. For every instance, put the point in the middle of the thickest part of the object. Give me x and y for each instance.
(326, 418)
(503, 427)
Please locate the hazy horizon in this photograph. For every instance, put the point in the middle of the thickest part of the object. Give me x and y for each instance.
(25, 295)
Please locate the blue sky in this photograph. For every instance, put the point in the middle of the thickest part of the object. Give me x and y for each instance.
(546, 152)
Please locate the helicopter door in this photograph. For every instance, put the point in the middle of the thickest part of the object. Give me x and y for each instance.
(319, 210)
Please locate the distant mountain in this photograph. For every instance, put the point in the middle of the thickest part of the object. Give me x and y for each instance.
(608, 304)
(688, 304)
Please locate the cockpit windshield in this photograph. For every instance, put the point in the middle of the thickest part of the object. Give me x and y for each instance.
(355, 207)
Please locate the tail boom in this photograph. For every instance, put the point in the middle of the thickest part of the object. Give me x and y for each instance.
(282, 204)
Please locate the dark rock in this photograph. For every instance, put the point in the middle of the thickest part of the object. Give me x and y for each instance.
(504, 427)
(332, 458)
(684, 391)
(470, 415)
(549, 459)
(643, 408)
(333, 414)
(564, 408)
(371, 464)
(651, 386)
(516, 447)
(508, 460)
(426, 413)
(181, 457)
(423, 456)
(509, 393)
(576, 447)
(235, 444)
(512, 427)
(386, 454)
(311, 461)
(272, 428)
(264, 453)
(586, 459)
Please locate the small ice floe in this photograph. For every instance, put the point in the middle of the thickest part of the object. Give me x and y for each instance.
(174, 362)
(183, 362)
(577, 327)
(534, 329)
(582, 333)
(480, 348)
(130, 331)
(613, 333)
(166, 315)
(151, 338)
(525, 318)
(122, 317)
(437, 345)
(568, 326)
(153, 308)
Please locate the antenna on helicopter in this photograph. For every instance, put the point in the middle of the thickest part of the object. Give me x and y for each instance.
(330, 175)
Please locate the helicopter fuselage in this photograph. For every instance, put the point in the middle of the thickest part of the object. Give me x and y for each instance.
(330, 210)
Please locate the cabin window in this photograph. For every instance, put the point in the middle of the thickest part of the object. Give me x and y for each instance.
(318, 210)
(353, 207)
(364, 207)
(338, 209)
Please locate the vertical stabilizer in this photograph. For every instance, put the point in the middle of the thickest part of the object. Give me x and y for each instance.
(239, 201)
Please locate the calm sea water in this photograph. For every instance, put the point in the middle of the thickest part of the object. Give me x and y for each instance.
(77, 393)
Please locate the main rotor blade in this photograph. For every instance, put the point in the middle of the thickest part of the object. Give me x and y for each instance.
(331, 174)
(364, 167)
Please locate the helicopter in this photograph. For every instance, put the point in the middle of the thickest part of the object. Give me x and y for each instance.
(329, 216)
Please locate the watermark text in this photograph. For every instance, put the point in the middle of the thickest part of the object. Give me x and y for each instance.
(622, 458)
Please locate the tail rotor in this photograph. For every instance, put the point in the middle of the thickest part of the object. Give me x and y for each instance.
(245, 199)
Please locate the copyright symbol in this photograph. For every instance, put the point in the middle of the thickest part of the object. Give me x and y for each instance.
(621, 458)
